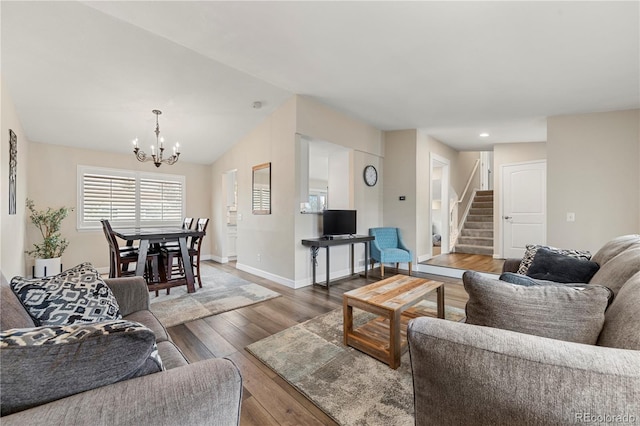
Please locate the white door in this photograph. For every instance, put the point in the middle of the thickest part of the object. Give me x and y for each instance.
(524, 206)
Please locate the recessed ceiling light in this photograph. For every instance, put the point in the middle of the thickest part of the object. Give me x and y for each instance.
(484, 135)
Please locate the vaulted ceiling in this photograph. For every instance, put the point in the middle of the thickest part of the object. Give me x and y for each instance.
(88, 74)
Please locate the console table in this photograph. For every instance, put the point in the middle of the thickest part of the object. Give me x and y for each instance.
(316, 243)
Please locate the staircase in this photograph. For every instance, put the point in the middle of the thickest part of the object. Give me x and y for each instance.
(476, 236)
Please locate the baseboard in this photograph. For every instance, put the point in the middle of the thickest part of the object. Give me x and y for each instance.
(448, 272)
(264, 274)
(424, 257)
(215, 258)
(335, 276)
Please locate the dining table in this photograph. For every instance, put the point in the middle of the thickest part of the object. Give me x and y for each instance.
(150, 236)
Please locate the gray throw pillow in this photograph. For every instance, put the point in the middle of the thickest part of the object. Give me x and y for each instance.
(532, 249)
(557, 312)
(77, 295)
(551, 266)
(44, 364)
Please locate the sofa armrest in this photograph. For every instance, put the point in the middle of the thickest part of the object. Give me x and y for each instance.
(464, 373)
(511, 265)
(131, 293)
(206, 392)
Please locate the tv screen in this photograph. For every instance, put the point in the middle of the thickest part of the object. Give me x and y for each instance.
(339, 222)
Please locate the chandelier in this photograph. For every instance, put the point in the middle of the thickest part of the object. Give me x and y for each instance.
(157, 158)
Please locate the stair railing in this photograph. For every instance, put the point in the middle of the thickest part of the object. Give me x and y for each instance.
(454, 224)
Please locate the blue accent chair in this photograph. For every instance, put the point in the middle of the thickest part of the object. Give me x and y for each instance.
(388, 247)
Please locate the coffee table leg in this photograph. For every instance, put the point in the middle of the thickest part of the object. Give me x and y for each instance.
(441, 301)
(394, 340)
(347, 312)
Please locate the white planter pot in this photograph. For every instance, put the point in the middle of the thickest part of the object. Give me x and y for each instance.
(47, 267)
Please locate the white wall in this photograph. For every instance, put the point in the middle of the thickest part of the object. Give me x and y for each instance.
(593, 171)
(12, 227)
(53, 183)
(508, 153)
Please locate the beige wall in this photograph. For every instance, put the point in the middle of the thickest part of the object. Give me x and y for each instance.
(269, 245)
(53, 183)
(509, 153)
(400, 160)
(593, 171)
(317, 121)
(12, 227)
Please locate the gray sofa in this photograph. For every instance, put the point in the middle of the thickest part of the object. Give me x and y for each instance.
(203, 393)
(470, 374)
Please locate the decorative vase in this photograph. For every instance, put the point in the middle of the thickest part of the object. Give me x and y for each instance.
(46, 267)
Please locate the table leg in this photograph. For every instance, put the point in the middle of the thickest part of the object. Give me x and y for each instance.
(366, 258)
(441, 301)
(352, 261)
(347, 320)
(328, 269)
(394, 340)
(186, 264)
(314, 260)
(142, 257)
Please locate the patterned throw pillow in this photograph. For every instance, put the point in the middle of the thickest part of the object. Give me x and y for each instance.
(77, 295)
(532, 249)
(43, 364)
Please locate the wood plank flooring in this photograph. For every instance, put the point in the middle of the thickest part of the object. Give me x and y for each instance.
(267, 398)
(475, 262)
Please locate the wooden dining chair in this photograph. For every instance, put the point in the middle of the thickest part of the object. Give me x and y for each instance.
(121, 257)
(195, 245)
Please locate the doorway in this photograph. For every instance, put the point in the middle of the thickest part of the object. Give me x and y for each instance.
(230, 183)
(439, 205)
(524, 206)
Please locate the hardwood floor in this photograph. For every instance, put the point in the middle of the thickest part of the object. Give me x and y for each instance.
(475, 262)
(267, 398)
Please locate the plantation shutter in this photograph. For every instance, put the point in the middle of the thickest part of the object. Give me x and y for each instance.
(160, 200)
(127, 198)
(109, 197)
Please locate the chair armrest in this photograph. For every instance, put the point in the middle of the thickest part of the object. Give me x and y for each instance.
(511, 265)
(131, 293)
(375, 250)
(206, 392)
(500, 377)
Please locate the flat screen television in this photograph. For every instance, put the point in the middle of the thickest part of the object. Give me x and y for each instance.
(339, 222)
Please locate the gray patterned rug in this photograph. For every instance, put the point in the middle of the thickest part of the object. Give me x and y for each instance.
(220, 292)
(348, 385)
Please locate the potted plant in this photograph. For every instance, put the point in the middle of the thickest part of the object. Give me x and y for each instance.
(47, 254)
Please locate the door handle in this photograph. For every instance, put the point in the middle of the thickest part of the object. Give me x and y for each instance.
(508, 217)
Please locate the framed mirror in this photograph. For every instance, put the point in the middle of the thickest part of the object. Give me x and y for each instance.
(261, 189)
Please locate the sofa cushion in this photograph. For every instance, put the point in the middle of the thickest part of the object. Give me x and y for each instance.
(43, 364)
(614, 247)
(12, 313)
(524, 280)
(532, 249)
(617, 271)
(149, 320)
(552, 266)
(171, 355)
(77, 295)
(557, 312)
(622, 320)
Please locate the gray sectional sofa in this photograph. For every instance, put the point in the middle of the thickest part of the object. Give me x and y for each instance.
(480, 375)
(203, 393)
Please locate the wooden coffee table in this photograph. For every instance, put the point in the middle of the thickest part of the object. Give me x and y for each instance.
(385, 337)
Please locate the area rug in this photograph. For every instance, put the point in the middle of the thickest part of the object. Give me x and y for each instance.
(348, 385)
(220, 292)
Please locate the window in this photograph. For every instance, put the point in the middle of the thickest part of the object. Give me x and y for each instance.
(128, 198)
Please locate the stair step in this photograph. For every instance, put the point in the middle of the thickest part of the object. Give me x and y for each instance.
(485, 192)
(481, 212)
(478, 225)
(481, 233)
(476, 241)
(483, 198)
(463, 248)
(480, 218)
(482, 205)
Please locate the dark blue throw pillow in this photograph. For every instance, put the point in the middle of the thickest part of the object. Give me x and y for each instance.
(561, 268)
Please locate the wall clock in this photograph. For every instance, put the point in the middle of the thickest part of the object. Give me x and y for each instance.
(370, 175)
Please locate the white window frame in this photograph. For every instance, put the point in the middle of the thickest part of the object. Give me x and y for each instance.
(137, 175)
